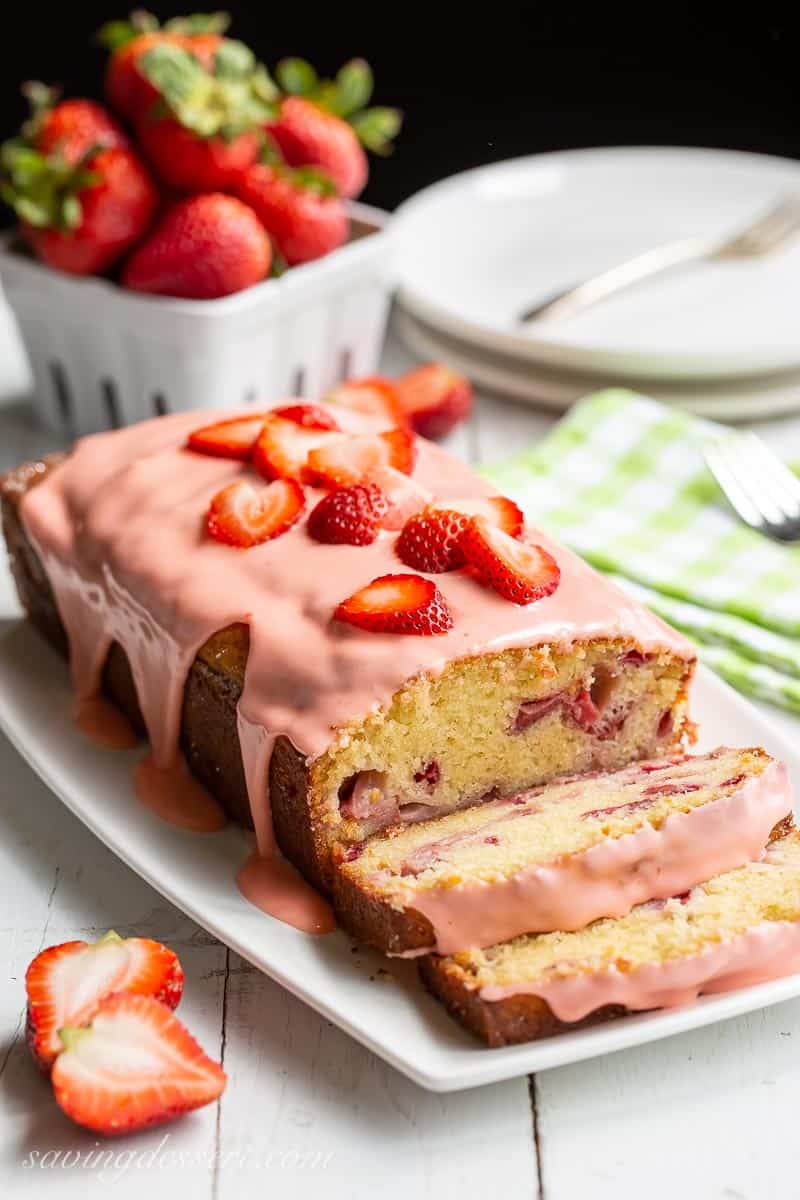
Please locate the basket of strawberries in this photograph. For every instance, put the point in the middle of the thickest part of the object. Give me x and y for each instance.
(195, 242)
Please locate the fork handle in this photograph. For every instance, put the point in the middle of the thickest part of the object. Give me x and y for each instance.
(619, 278)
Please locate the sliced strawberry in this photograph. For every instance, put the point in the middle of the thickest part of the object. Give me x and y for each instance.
(66, 983)
(227, 439)
(498, 510)
(310, 416)
(349, 515)
(518, 571)
(431, 540)
(398, 604)
(243, 515)
(358, 457)
(282, 448)
(434, 399)
(405, 496)
(374, 395)
(134, 1066)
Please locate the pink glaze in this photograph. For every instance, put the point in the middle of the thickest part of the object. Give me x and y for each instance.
(767, 951)
(103, 723)
(174, 794)
(274, 886)
(120, 529)
(613, 876)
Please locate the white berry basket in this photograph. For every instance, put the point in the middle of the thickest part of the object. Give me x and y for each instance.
(102, 357)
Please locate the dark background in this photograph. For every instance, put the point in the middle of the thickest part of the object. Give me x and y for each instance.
(490, 82)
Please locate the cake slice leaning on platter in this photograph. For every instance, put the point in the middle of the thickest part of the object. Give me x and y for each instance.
(738, 929)
(561, 855)
(316, 701)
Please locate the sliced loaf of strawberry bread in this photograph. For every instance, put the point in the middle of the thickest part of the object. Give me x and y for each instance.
(317, 687)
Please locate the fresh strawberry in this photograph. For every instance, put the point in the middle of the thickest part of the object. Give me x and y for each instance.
(134, 1066)
(283, 447)
(128, 90)
(374, 395)
(204, 130)
(299, 210)
(431, 540)
(498, 510)
(434, 399)
(356, 458)
(322, 122)
(311, 416)
(243, 515)
(397, 604)
(78, 217)
(227, 439)
(188, 163)
(404, 495)
(517, 571)
(309, 136)
(68, 128)
(65, 984)
(352, 515)
(204, 247)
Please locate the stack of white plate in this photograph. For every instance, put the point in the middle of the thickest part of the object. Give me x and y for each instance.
(720, 338)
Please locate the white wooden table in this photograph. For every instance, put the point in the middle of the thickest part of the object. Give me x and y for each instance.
(308, 1112)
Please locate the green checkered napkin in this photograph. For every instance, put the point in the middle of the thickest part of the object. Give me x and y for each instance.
(622, 481)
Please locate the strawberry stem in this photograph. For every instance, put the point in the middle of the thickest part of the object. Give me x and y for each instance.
(72, 1035)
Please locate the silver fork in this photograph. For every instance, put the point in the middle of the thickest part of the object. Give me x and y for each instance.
(761, 488)
(770, 232)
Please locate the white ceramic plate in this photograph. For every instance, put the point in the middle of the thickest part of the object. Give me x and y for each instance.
(389, 1012)
(477, 249)
(746, 398)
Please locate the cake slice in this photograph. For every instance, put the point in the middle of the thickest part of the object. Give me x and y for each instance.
(304, 727)
(562, 855)
(740, 928)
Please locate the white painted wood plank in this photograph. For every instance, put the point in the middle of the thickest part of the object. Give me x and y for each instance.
(337, 1121)
(709, 1114)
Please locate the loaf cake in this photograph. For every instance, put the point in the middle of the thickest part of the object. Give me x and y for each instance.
(740, 928)
(312, 731)
(561, 855)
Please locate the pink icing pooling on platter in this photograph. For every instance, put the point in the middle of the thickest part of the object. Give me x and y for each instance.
(613, 876)
(768, 951)
(120, 528)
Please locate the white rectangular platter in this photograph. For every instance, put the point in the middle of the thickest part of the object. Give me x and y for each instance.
(376, 1001)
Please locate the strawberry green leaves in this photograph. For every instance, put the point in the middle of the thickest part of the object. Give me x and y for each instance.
(346, 96)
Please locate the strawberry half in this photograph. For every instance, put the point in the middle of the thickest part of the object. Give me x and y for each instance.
(134, 1066)
(397, 604)
(404, 496)
(434, 399)
(498, 510)
(227, 439)
(65, 984)
(283, 447)
(517, 571)
(350, 515)
(357, 458)
(431, 540)
(310, 416)
(375, 396)
(243, 515)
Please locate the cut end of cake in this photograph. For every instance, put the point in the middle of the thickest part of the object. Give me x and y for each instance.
(495, 724)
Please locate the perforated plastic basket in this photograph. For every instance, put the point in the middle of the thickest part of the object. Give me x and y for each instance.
(103, 357)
